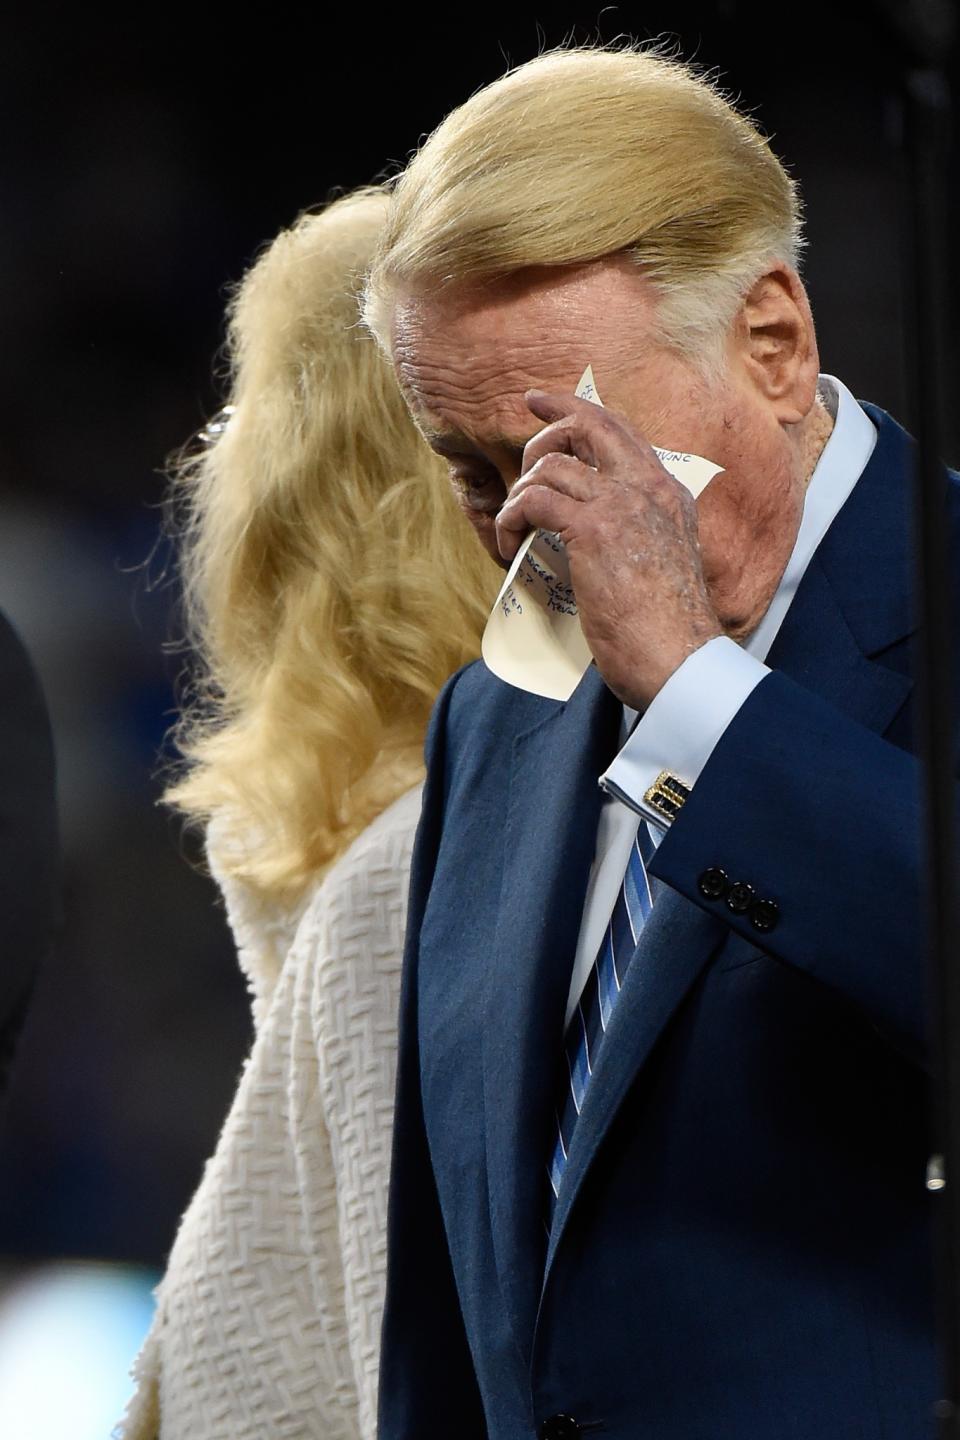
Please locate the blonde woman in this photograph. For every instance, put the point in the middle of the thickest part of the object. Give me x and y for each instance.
(332, 587)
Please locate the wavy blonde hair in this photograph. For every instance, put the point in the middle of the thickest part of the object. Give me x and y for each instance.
(330, 583)
(588, 152)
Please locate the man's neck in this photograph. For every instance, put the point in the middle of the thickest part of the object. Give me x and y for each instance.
(817, 429)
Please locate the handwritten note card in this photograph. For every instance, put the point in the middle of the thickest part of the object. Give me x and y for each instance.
(533, 638)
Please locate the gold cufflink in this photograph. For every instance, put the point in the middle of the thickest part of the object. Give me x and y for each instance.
(667, 795)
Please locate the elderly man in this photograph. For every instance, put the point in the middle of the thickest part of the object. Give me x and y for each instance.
(660, 1148)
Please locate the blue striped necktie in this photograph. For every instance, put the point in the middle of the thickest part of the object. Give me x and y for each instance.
(589, 1022)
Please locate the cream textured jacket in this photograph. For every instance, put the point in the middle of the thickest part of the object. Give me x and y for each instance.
(268, 1318)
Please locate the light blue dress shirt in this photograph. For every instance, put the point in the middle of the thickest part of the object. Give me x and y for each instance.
(683, 723)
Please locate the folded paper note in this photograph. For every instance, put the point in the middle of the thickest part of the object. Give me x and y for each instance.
(533, 638)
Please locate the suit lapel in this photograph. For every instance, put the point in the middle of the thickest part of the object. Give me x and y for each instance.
(854, 600)
(816, 647)
(866, 554)
(677, 942)
(549, 838)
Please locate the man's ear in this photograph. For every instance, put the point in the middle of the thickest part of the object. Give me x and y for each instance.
(778, 344)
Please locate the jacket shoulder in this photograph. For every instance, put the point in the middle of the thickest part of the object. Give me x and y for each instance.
(476, 709)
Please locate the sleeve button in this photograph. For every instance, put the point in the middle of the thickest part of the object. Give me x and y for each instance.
(713, 883)
(764, 915)
(740, 897)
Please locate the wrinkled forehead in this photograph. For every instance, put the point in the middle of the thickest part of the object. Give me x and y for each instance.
(471, 352)
(544, 299)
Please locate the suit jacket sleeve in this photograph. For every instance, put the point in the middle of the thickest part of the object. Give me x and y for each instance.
(427, 1382)
(821, 815)
(29, 872)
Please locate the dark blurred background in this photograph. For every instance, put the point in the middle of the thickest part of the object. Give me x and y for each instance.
(142, 164)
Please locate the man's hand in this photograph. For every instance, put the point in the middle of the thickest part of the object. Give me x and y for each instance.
(631, 535)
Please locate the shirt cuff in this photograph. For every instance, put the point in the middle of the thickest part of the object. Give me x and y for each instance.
(683, 723)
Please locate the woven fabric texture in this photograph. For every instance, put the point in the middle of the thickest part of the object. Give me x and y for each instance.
(268, 1317)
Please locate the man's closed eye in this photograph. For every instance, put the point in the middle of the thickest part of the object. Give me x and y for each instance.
(479, 490)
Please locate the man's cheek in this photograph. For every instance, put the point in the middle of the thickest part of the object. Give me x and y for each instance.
(484, 526)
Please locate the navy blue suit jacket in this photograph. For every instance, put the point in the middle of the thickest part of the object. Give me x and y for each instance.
(741, 1249)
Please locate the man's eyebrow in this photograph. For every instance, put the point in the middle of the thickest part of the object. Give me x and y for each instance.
(444, 442)
(452, 443)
